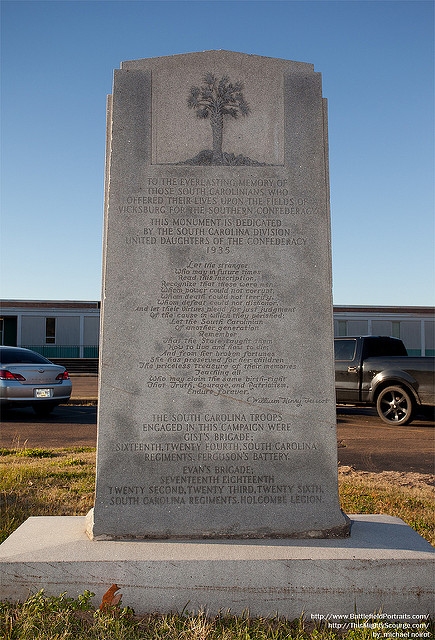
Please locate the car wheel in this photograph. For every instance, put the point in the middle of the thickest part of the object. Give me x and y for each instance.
(395, 406)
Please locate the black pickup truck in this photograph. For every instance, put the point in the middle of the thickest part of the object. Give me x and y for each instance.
(377, 370)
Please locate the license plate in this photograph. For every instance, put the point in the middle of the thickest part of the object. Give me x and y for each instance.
(43, 393)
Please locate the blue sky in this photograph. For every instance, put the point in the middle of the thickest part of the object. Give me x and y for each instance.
(377, 64)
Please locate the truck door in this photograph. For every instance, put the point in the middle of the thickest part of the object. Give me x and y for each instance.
(347, 370)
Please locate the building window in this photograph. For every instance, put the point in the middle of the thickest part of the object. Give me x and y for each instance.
(342, 327)
(50, 330)
(395, 329)
(1, 330)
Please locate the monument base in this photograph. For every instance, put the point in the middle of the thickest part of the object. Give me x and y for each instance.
(384, 565)
(339, 531)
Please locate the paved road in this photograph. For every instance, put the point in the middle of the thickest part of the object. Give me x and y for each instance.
(372, 445)
(67, 426)
(369, 444)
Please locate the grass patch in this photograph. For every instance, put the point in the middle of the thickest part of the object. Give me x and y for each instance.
(54, 484)
(373, 494)
(35, 453)
(62, 618)
(28, 453)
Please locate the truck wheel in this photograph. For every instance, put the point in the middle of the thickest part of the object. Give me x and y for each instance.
(395, 406)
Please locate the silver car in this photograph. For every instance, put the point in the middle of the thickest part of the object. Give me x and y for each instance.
(27, 378)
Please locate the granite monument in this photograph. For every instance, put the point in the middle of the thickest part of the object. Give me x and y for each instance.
(216, 401)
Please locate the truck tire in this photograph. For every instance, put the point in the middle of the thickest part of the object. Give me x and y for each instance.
(395, 406)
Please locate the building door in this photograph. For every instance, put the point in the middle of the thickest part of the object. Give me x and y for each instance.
(8, 330)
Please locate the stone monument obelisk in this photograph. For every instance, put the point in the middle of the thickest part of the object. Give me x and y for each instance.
(216, 402)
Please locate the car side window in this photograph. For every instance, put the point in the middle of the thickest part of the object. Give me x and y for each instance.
(344, 349)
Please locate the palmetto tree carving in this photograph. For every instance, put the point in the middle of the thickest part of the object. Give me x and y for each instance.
(215, 100)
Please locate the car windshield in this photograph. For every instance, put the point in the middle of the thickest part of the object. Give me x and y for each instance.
(15, 356)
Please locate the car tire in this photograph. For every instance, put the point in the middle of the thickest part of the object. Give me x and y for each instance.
(395, 406)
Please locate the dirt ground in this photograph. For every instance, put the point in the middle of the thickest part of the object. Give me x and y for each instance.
(398, 478)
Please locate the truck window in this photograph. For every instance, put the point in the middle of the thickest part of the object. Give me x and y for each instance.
(384, 347)
(344, 349)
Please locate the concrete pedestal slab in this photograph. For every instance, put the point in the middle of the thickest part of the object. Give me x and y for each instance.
(384, 565)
